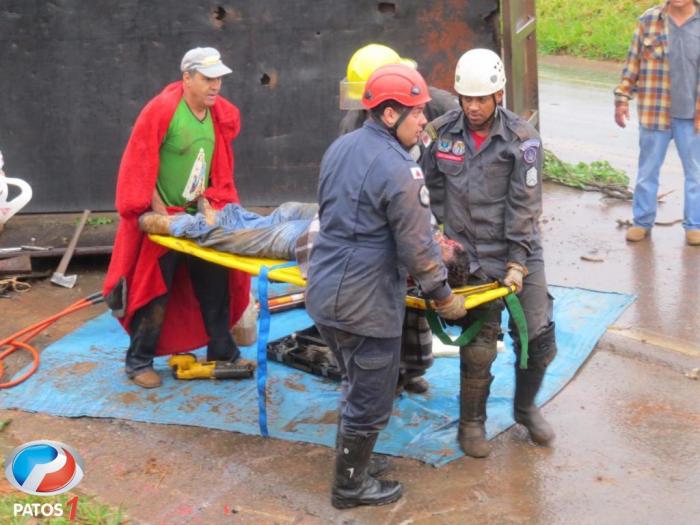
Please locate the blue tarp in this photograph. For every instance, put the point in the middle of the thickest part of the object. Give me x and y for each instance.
(82, 375)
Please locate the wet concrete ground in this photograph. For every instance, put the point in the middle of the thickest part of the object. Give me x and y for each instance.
(628, 444)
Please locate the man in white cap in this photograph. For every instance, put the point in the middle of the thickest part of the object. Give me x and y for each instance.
(179, 151)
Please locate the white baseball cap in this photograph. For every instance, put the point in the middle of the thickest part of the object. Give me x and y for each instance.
(206, 60)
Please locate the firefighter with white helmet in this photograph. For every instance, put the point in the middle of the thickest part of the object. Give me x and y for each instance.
(374, 213)
(483, 166)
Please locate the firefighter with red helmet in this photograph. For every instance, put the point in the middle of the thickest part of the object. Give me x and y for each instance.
(375, 227)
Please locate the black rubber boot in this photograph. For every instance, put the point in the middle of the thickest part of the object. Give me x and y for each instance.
(471, 435)
(353, 486)
(542, 351)
(527, 384)
(378, 464)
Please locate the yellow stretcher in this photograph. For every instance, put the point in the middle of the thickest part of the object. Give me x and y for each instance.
(473, 295)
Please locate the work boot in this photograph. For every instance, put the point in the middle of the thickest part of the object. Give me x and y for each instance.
(378, 464)
(525, 412)
(636, 233)
(147, 378)
(157, 223)
(417, 385)
(692, 237)
(352, 485)
(471, 434)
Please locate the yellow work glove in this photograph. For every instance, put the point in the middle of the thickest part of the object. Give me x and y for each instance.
(515, 273)
(451, 308)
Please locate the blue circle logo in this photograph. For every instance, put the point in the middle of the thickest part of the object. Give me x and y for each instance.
(44, 468)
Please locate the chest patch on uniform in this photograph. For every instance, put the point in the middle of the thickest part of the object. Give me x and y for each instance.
(530, 148)
(449, 156)
(444, 145)
(417, 173)
(531, 177)
(424, 196)
(458, 148)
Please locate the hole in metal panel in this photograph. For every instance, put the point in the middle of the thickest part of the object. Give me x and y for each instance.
(386, 8)
(219, 13)
(265, 79)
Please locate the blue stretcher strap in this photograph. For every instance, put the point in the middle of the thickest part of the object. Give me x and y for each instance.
(263, 335)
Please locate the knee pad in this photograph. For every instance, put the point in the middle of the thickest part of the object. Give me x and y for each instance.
(542, 349)
(481, 352)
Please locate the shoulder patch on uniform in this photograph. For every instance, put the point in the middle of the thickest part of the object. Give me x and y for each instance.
(424, 196)
(417, 173)
(429, 132)
(529, 150)
(443, 119)
(531, 177)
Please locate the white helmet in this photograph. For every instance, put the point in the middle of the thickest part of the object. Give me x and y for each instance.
(479, 72)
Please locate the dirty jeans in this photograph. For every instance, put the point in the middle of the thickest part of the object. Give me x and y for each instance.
(369, 368)
(244, 232)
(653, 145)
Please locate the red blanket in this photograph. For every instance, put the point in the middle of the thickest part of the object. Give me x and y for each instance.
(134, 277)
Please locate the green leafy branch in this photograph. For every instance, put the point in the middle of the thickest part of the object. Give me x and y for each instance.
(596, 176)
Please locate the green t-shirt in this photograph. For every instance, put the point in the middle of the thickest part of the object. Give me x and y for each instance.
(185, 157)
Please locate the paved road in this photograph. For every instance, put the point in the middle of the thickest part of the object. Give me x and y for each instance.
(577, 124)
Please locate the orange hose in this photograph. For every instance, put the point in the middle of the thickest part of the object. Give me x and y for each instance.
(20, 340)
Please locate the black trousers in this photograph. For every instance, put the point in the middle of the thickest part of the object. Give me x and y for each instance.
(370, 369)
(210, 284)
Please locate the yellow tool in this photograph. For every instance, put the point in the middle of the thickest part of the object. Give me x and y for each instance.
(186, 366)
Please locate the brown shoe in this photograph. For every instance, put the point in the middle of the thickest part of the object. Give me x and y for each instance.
(148, 378)
(636, 233)
(153, 222)
(248, 363)
(692, 237)
(417, 385)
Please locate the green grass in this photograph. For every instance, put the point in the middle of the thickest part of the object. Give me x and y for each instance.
(598, 29)
(90, 511)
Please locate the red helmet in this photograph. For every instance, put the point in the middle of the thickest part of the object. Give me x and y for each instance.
(397, 82)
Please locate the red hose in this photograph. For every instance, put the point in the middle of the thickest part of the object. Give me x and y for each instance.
(20, 340)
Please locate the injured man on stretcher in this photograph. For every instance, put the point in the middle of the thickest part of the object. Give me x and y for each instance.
(286, 233)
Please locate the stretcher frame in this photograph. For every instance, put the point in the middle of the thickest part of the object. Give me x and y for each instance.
(473, 295)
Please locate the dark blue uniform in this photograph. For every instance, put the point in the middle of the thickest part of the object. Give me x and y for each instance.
(374, 228)
(490, 200)
(416, 337)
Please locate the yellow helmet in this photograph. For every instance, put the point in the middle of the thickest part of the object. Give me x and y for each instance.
(361, 65)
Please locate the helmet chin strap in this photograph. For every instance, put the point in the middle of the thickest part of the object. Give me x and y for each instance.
(392, 129)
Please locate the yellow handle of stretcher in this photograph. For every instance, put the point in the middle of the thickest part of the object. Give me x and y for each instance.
(473, 298)
(474, 295)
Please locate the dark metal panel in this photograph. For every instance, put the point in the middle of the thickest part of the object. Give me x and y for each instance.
(76, 72)
(520, 53)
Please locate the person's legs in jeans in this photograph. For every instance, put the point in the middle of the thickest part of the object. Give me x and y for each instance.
(652, 151)
(210, 284)
(688, 145)
(148, 320)
(276, 241)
